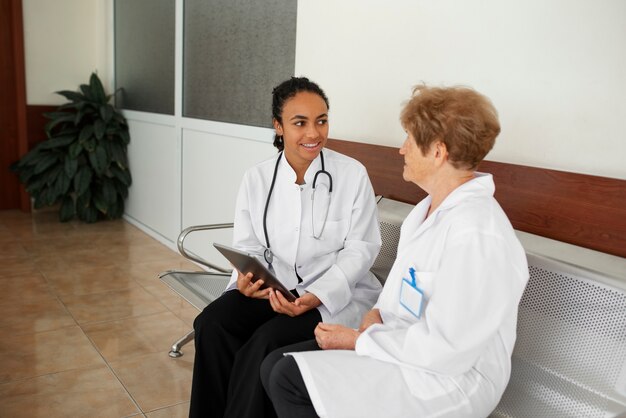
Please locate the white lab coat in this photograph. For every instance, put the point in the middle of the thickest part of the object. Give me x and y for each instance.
(455, 360)
(334, 267)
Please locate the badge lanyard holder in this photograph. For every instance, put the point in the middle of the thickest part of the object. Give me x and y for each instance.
(411, 297)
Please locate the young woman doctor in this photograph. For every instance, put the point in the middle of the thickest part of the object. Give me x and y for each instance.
(438, 342)
(310, 213)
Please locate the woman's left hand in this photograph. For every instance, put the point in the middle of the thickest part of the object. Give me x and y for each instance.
(335, 337)
(304, 303)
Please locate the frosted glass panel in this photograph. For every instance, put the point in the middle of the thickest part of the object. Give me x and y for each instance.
(144, 54)
(235, 51)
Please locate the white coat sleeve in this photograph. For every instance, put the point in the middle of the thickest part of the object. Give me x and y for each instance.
(476, 287)
(244, 237)
(362, 243)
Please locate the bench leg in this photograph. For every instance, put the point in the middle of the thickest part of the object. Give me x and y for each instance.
(175, 351)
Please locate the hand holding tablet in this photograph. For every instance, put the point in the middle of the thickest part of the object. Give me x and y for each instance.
(247, 263)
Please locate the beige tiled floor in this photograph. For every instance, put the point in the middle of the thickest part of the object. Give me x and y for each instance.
(85, 323)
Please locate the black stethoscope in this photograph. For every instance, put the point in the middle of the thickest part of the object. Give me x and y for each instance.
(267, 254)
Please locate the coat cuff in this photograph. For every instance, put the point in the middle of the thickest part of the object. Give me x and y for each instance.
(332, 290)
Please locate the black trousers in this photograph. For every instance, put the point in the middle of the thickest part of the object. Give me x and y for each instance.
(283, 382)
(232, 337)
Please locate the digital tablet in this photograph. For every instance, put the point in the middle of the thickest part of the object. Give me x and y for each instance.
(247, 263)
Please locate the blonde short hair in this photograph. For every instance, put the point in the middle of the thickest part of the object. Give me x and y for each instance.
(463, 119)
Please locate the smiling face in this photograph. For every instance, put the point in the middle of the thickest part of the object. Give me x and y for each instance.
(304, 129)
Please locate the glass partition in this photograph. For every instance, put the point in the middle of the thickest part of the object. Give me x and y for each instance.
(235, 51)
(144, 55)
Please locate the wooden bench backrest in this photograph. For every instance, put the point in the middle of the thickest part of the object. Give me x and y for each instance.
(583, 210)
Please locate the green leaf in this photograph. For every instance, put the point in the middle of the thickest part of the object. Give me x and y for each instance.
(108, 192)
(39, 203)
(79, 116)
(70, 105)
(98, 128)
(99, 160)
(97, 89)
(119, 118)
(72, 95)
(82, 180)
(86, 212)
(91, 214)
(70, 166)
(116, 210)
(57, 142)
(122, 175)
(50, 125)
(68, 129)
(62, 184)
(122, 190)
(36, 185)
(48, 197)
(57, 115)
(85, 133)
(75, 150)
(86, 89)
(29, 159)
(106, 112)
(68, 209)
(90, 144)
(84, 199)
(125, 136)
(26, 173)
(52, 174)
(100, 202)
(46, 161)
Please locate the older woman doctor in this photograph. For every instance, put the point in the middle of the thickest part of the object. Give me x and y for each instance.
(439, 340)
(310, 213)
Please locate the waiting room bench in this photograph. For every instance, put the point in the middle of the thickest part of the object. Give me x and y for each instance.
(570, 355)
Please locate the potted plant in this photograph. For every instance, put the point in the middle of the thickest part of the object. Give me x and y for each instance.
(83, 163)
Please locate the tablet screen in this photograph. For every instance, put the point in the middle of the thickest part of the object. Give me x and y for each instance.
(247, 263)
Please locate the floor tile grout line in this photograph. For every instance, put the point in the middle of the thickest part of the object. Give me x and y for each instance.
(108, 365)
(68, 311)
(38, 264)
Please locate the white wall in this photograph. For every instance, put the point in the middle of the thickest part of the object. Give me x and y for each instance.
(213, 166)
(555, 70)
(187, 172)
(64, 42)
(154, 196)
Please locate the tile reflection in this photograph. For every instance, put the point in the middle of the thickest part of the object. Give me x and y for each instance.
(85, 323)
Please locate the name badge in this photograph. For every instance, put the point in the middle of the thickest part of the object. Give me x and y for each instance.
(411, 297)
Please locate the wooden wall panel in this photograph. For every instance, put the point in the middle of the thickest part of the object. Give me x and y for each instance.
(579, 209)
(384, 166)
(36, 122)
(12, 104)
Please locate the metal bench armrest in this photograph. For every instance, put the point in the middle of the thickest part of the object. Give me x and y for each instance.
(183, 235)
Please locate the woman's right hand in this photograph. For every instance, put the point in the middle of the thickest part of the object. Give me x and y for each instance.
(249, 289)
(369, 319)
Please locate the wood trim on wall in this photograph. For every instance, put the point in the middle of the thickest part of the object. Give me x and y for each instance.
(588, 211)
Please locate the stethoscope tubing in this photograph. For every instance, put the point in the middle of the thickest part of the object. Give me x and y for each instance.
(267, 254)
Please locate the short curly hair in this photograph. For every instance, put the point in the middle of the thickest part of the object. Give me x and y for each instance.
(463, 119)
